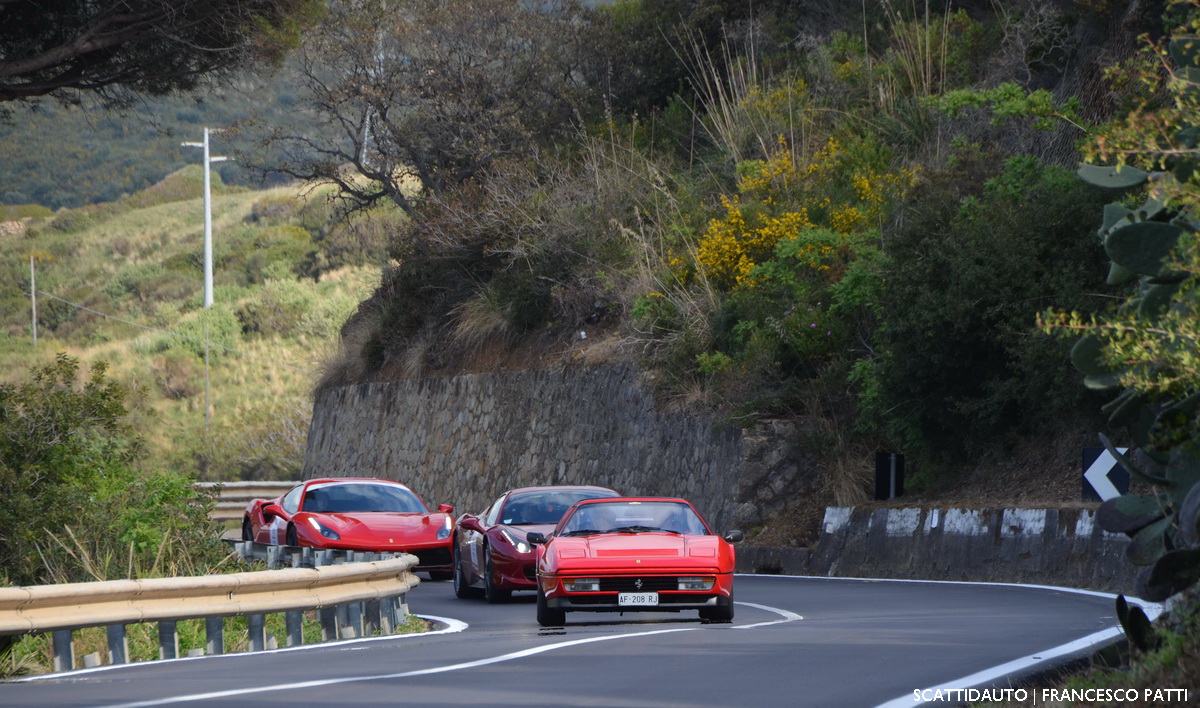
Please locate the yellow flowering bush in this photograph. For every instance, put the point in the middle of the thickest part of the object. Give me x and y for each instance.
(840, 189)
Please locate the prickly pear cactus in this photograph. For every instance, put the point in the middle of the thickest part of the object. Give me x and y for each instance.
(1160, 420)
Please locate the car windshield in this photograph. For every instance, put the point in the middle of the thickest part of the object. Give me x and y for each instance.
(544, 507)
(633, 517)
(341, 498)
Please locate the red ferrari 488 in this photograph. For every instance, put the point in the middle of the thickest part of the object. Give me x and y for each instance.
(355, 513)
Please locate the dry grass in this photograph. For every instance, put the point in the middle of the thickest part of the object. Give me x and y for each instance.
(479, 320)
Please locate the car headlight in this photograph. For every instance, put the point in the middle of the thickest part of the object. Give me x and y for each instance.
(324, 530)
(696, 583)
(581, 584)
(521, 546)
(447, 527)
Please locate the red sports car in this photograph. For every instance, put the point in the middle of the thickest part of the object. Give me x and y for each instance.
(634, 554)
(355, 513)
(491, 556)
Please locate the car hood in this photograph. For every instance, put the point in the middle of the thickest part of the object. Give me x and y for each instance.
(647, 550)
(383, 524)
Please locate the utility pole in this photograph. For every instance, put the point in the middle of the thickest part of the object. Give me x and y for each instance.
(208, 161)
(33, 297)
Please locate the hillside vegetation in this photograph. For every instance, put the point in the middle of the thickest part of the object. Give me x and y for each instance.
(851, 216)
(122, 283)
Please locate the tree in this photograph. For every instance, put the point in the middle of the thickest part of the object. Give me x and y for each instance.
(52, 436)
(120, 48)
(417, 97)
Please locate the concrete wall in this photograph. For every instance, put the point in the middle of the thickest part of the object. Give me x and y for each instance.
(464, 440)
(1038, 546)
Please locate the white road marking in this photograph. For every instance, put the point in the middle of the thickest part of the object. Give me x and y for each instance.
(988, 675)
(786, 617)
(1152, 610)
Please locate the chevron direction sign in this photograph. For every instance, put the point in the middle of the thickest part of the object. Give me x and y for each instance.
(1103, 477)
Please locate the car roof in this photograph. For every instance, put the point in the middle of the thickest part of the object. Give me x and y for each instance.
(609, 500)
(322, 481)
(561, 488)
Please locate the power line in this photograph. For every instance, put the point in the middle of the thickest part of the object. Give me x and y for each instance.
(166, 332)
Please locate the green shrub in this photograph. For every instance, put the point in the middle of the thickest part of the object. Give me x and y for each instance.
(216, 325)
(278, 308)
(959, 359)
(276, 209)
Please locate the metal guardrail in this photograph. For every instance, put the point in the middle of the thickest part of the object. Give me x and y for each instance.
(355, 594)
(234, 496)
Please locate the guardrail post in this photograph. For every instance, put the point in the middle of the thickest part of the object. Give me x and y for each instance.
(387, 615)
(214, 635)
(345, 623)
(256, 628)
(358, 615)
(63, 650)
(118, 644)
(370, 617)
(168, 640)
(329, 623)
(295, 627)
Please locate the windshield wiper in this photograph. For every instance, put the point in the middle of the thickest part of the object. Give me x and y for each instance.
(634, 529)
(583, 532)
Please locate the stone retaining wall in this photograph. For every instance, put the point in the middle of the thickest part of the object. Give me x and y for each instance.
(464, 440)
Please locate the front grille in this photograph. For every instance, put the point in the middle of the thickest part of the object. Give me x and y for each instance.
(650, 583)
(432, 556)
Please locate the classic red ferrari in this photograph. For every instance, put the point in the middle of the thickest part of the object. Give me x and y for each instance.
(629, 554)
(355, 513)
(491, 556)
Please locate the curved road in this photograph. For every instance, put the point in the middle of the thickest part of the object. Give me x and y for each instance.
(794, 642)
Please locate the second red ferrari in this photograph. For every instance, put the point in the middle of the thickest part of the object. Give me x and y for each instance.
(492, 557)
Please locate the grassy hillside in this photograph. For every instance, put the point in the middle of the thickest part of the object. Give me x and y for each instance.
(122, 282)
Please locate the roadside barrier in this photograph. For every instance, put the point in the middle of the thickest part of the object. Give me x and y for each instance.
(355, 594)
(234, 496)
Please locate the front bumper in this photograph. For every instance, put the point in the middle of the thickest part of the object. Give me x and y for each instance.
(670, 599)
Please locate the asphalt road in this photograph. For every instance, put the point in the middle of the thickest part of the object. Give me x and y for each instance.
(794, 642)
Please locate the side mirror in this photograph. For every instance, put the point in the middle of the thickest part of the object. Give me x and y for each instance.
(270, 510)
(470, 523)
(535, 538)
(445, 508)
(733, 536)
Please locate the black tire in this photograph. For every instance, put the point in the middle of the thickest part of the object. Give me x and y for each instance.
(491, 593)
(461, 589)
(549, 616)
(247, 530)
(720, 613)
(293, 539)
(441, 576)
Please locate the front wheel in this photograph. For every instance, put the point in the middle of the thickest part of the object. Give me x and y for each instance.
(720, 613)
(491, 593)
(461, 589)
(293, 539)
(247, 530)
(549, 616)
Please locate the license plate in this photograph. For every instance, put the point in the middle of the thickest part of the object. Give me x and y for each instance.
(638, 599)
